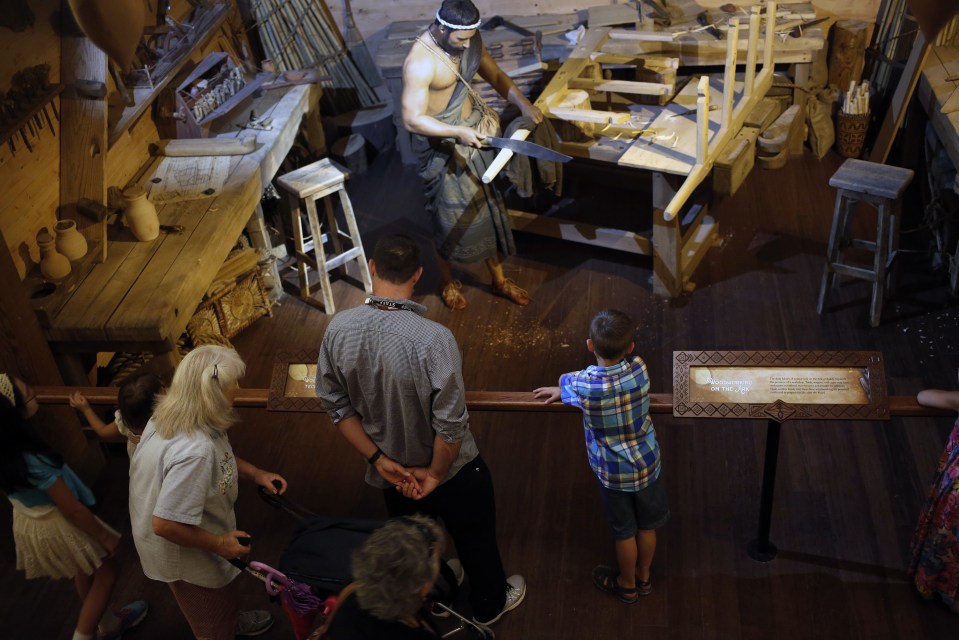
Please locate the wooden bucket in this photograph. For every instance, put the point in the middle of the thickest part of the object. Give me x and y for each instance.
(851, 133)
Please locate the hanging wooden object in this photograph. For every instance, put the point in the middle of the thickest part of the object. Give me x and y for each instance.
(115, 26)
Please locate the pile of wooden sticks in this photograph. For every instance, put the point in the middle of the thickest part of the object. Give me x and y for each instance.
(301, 34)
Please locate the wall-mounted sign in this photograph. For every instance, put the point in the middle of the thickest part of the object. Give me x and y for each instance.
(293, 385)
(780, 385)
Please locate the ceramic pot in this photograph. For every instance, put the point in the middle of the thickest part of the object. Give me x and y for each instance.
(70, 242)
(141, 215)
(54, 266)
(114, 26)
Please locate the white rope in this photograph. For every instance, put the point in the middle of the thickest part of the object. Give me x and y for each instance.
(456, 27)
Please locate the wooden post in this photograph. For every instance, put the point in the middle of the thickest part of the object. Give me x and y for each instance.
(751, 51)
(770, 36)
(702, 120)
(729, 78)
(667, 239)
(83, 132)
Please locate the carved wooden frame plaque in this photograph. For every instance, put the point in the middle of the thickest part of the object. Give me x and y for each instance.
(780, 385)
(293, 384)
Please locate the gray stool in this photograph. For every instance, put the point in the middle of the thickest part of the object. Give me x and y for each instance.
(881, 186)
(308, 184)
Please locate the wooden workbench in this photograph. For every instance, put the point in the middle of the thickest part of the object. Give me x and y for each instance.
(682, 229)
(142, 297)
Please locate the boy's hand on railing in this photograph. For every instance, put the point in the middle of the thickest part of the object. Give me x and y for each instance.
(547, 394)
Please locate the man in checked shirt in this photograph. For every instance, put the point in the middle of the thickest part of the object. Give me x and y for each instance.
(392, 383)
(622, 450)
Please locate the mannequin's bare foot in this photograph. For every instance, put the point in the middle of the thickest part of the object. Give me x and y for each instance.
(509, 289)
(453, 295)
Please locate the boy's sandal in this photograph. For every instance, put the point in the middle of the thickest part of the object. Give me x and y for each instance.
(605, 580)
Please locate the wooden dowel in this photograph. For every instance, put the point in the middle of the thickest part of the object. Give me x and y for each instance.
(503, 157)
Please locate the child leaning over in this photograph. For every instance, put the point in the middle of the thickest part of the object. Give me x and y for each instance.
(135, 399)
(622, 450)
(55, 533)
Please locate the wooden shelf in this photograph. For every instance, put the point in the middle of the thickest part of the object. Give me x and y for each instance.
(206, 27)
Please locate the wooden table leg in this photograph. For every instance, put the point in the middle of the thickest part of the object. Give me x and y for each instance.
(667, 236)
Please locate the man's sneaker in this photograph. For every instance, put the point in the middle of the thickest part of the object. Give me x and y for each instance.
(515, 592)
(253, 623)
(459, 574)
(457, 568)
(129, 616)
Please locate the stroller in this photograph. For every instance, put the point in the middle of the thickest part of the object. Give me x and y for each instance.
(316, 566)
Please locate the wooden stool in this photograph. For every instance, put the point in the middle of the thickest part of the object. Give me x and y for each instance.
(881, 186)
(309, 184)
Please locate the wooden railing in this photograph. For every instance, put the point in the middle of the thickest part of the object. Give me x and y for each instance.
(659, 403)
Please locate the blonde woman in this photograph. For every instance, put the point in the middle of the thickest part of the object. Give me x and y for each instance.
(183, 485)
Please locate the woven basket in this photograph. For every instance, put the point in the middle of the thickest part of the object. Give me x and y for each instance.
(851, 133)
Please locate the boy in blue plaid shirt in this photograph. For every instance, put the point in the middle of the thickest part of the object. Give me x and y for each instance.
(622, 450)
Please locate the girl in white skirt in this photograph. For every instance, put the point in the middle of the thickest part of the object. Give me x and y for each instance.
(56, 534)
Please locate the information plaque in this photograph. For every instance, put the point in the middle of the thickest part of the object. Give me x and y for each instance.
(293, 385)
(780, 385)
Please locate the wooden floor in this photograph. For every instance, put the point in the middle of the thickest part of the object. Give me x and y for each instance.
(847, 497)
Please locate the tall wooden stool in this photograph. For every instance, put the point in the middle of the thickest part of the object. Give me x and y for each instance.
(309, 184)
(881, 186)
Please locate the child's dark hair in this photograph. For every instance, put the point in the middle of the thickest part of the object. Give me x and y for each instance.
(396, 257)
(136, 398)
(19, 439)
(611, 332)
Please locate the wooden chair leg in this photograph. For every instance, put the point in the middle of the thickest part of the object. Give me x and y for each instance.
(839, 221)
(319, 253)
(879, 264)
(299, 247)
(357, 241)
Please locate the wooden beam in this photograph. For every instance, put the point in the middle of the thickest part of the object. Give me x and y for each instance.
(896, 112)
(581, 232)
(661, 403)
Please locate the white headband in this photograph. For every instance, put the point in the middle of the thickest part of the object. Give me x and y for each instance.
(6, 388)
(456, 27)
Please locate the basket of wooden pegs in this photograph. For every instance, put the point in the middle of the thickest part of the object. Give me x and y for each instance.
(853, 121)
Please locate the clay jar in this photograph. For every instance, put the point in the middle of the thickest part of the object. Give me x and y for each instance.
(54, 266)
(141, 215)
(70, 242)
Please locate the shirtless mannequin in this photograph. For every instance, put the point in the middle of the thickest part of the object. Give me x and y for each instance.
(429, 80)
